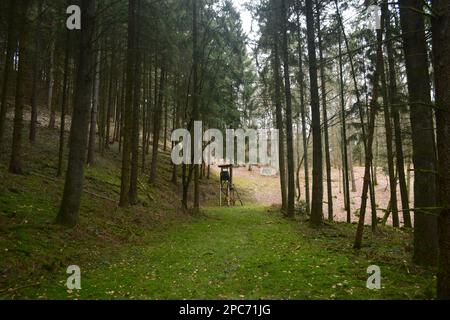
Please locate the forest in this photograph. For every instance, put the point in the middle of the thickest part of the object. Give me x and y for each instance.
(351, 100)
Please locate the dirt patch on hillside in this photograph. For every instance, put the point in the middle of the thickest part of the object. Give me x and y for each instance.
(266, 190)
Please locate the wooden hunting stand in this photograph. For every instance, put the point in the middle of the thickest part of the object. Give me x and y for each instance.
(227, 188)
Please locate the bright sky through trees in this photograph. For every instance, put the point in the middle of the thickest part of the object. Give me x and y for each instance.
(246, 18)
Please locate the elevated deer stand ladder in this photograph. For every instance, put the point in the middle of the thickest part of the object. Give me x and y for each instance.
(227, 189)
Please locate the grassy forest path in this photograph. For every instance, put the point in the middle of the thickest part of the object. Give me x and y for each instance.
(246, 253)
(154, 251)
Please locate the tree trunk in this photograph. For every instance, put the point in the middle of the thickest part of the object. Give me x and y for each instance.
(128, 108)
(15, 164)
(157, 126)
(110, 100)
(136, 106)
(441, 55)
(302, 111)
(325, 116)
(350, 165)
(408, 178)
(103, 89)
(424, 158)
(145, 109)
(70, 205)
(36, 79)
(317, 187)
(51, 85)
(299, 162)
(369, 155)
(289, 131)
(119, 107)
(361, 113)
(395, 114)
(279, 124)
(195, 97)
(94, 112)
(345, 182)
(388, 131)
(176, 124)
(9, 63)
(63, 104)
(165, 125)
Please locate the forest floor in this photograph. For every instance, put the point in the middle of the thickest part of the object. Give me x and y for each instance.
(265, 191)
(155, 251)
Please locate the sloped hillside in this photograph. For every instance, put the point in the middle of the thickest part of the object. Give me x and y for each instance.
(34, 247)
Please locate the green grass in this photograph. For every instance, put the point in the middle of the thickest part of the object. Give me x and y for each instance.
(247, 253)
(154, 251)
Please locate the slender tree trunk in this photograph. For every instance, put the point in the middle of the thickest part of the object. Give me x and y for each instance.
(186, 182)
(102, 100)
(70, 205)
(185, 174)
(9, 63)
(34, 98)
(342, 175)
(36, 79)
(339, 179)
(122, 112)
(299, 162)
(375, 160)
(302, 111)
(145, 108)
(94, 112)
(361, 113)
(401, 168)
(344, 137)
(152, 106)
(15, 164)
(63, 104)
(119, 106)
(325, 116)
(116, 107)
(51, 85)
(373, 182)
(424, 158)
(157, 126)
(128, 108)
(388, 131)
(317, 187)
(408, 178)
(149, 108)
(176, 124)
(289, 131)
(279, 124)
(195, 97)
(136, 106)
(395, 114)
(350, 165)
(110, 100)
(369, 155)
(165, 125)
(441, 55)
